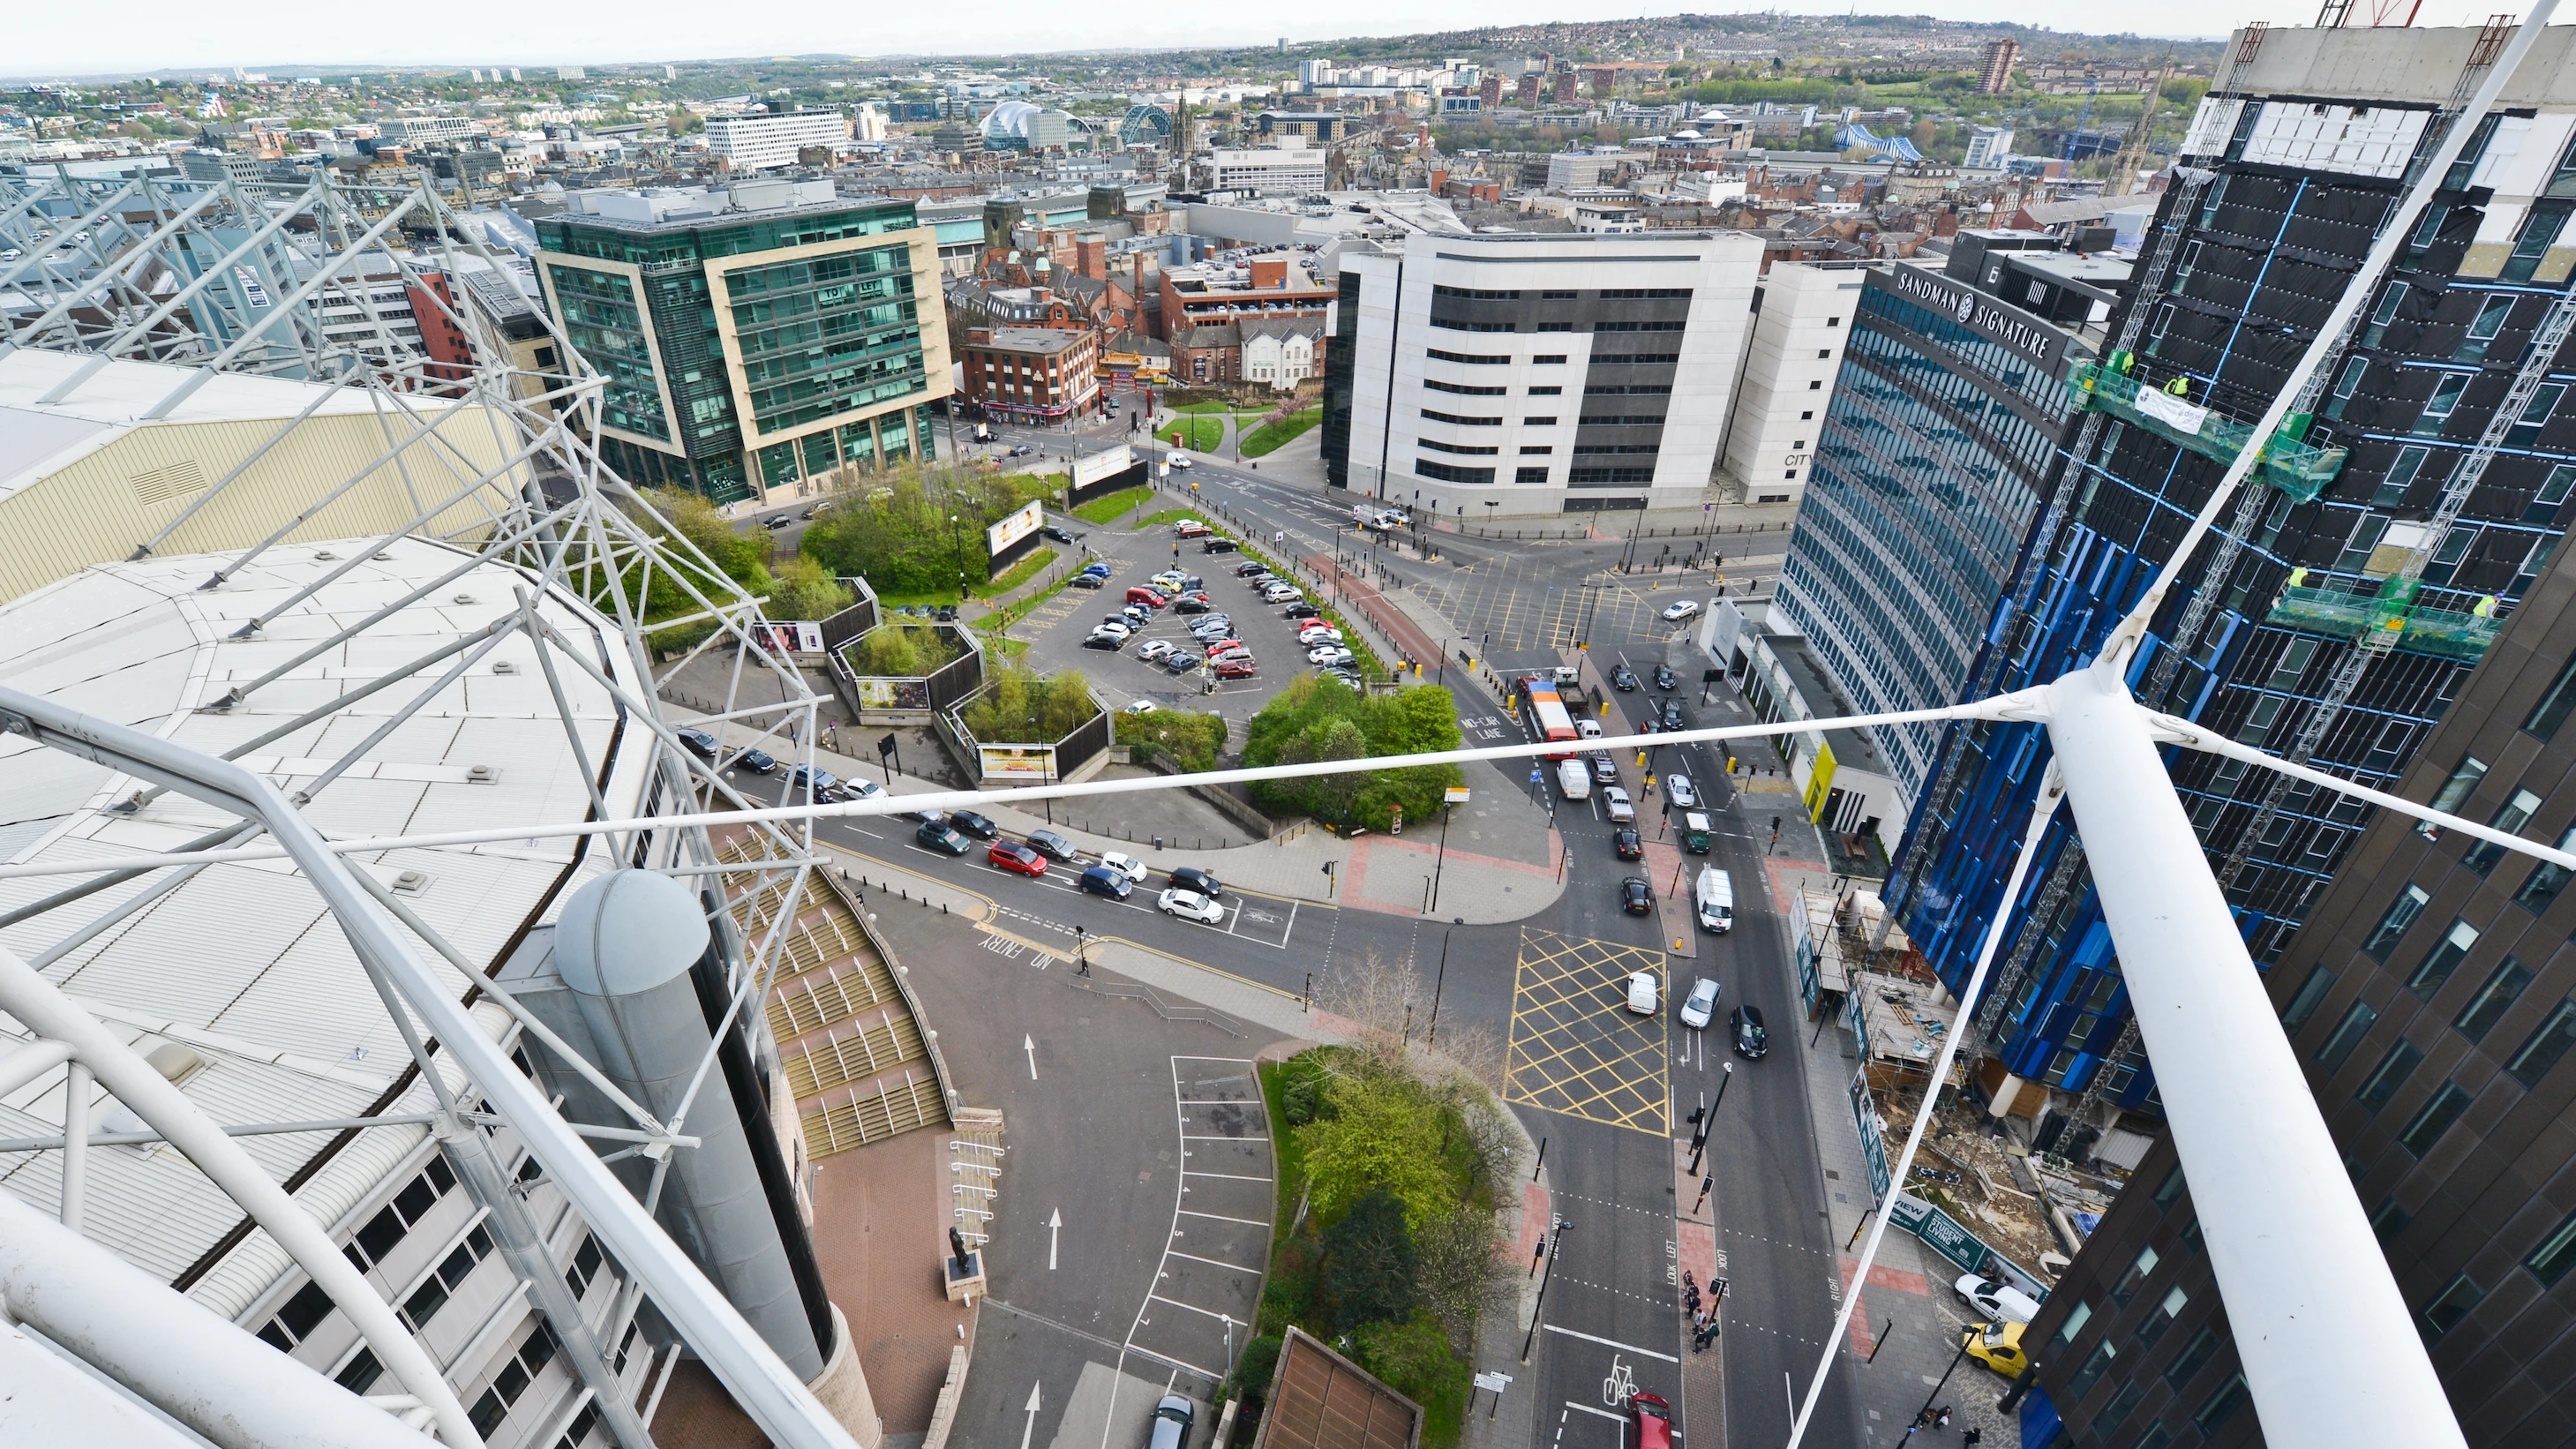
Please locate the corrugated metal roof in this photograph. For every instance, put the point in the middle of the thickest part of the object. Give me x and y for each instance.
(242, 962)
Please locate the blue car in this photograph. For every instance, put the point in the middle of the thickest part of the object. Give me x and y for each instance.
(1100, 880)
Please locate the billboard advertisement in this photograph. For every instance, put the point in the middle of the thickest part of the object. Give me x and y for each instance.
(1018, 762)
(1018, 524)
(1107, 463)
(797, 637)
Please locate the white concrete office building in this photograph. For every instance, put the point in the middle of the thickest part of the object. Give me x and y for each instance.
(1800, 322)
(1284, 170)
(1540, 373)
(763, 142)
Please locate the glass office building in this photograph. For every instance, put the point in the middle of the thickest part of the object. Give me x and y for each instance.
(1936, 450)
(755, 338)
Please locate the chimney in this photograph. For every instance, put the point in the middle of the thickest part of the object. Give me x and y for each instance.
(1269, 272)
(1091, 257)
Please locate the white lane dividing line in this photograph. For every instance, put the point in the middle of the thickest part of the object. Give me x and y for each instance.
(1222, 1218)
(1194, 1308)
(1218, 1137)
(1619, 1419)
(1228, 1176)
(1211, 1262)
(1611, 1343)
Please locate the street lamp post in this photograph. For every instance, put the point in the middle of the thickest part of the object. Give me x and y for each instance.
(1538, 1306)
(1440, 859)
(1708, 1119)
(1440, 980)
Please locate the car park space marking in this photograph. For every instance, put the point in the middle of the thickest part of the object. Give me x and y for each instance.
(1574, 1047)
(1192, 1076)
(1222, 1218)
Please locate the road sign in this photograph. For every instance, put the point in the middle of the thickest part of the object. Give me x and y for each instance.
(1492, 1383)
(1536, 774)
(1454, 795)
(885, 746)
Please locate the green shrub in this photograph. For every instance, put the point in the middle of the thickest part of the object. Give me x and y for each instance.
(1302, 1100)
(1288, 1297)
(1194, 740)
(1255, 1367)
(1022, 707)
(1315, 720)
(903, 651)
(900, 537)
(1369, 1264)
(1383, 1136)
(803, 589)
(1411, 1356)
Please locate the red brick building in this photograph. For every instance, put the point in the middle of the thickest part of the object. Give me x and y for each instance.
(1039, 373)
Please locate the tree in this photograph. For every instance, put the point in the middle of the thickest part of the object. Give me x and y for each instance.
(1256, 1367)
(803, 589)
(1377, 1138)
(1369, 1264)
(1411, 1356)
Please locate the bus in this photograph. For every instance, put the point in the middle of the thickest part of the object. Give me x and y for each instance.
(1544, 712)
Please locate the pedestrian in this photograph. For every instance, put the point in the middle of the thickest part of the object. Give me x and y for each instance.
(1943, 1422)
(1972, 1435)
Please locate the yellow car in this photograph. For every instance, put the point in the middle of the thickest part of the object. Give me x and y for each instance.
(1998, 1347)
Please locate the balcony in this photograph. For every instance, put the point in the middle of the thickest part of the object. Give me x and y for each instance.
(2287, 464)
(2388, 619)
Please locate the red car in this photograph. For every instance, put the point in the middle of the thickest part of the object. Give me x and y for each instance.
(1145, 596)
(1223, 647)
(1012, 856)
(1191, 528)
(1238, 667)
(1654, 1421)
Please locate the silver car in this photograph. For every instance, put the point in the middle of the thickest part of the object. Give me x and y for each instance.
(1616, 805)
(1679, 792)
(1700, 1007)
(1172, 1418)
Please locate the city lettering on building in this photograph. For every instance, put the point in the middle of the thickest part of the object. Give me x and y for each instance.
(1981, 314)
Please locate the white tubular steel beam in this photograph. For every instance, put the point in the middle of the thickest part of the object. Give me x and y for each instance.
(174, 1354)
(760, 1383)
(41, 1005)
(2329, 1350)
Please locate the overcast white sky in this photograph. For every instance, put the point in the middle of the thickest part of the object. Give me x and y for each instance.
(48, 37)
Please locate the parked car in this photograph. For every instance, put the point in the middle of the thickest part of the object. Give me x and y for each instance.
(1329, 654)
(1100, 640)
(1238, 667)
(936, 835)
(1190, 906)
(1664, 677)
(1698, 1007)
(753, 760)
(974, 824)
(1636, 897)
(817, 783)
(1616, 804)
(697, 742)
(1180, 661)
(1623, 679)
(1249, 567)
(1996, 1300)
(1301, 610)
(1117, 624)
(1312, 637)
(1100, 880)
(858, 790)
(1088, 581)
(1653, 1421)
(1153, 649)
(1191, 878)
(1676, 612)
(1016, 858)
(779, 522)
(1283, 594)
(1997, 1346)
(1142, 706)
(1641, 989)
(1140, 594)
(1219, 545)
(1752, 1038)
(1191, 528)
(1126, 865)
(1220, 648)
(1137, 615)
(1627, 843)
(1172, 1418)
(1060, 535)
(1052, 845)
(1098, 566)
(1679, 792)
(1342, 677)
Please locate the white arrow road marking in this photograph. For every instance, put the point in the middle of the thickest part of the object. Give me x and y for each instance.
(1055, 1220)
(1031, 1426)
(1029, 1044)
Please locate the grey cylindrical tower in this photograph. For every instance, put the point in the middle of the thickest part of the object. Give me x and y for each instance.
(625, 944)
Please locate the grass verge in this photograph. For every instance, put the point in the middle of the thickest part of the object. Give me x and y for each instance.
(1108, 509)
(1167, 516)
(1270, 437)
(1019, 573)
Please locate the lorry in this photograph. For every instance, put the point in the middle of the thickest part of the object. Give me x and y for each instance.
(1714, 899)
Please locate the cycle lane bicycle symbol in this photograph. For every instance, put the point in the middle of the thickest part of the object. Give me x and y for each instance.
(1621, 1385)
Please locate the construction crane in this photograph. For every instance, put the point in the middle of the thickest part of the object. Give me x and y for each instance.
(2133, 153)
(2092, 88)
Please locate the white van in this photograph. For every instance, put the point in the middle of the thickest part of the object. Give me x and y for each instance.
(1574, 777)
(1716, 900)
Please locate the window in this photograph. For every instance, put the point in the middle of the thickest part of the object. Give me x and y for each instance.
(1551, 390)
(1537, 449)
(2347, 1034)
(1440, 447)
(1436, 385)
(2391, 1219)
(1833, 321)
(2538, 231)
(2389, 1075)
(1454, 325)
(2194, 1357)
(1630, 359)
(2517, 813)
(1610, 475)
(1447, 473)
(1538, 422)
(1442, 290)
(1546, 359)
(2392, 926)
(297, 1319)
(517, 1371)
(2526, 429)
(2436, 1118)
(2463, 778)
(1530, 475)
(2556, 1254)
(2169, 1191)
(2089, 1372)
(1809, 416)
(433, 1291)
(2443, 959)
(2541, 1050)
(379, 1234)
(2482, 332)
(2136, 1276)
(2153, 1326)
(2439, 407)
(2075, 1321)
(2219, 1407)
(1824, 354)
(1815, 387)
(1464, 422)
(1565, 296)
(585, 1266)
(2554, 705)
(2401, 476)
(2303, 1002)
(2546, 879)
(2502, 988)
(359, 1373)
(2116, 1412)
(1479, 359)
(2451, 1305)
(2384, 313)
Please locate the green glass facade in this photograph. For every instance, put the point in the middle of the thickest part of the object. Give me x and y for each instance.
(813, 338)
